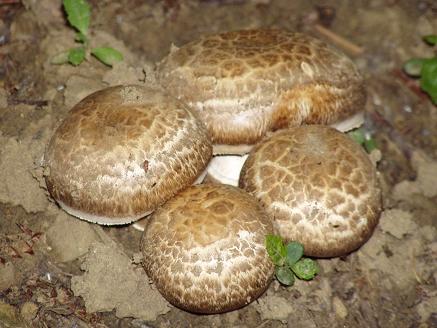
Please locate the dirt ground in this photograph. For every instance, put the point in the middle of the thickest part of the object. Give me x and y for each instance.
(58, 271)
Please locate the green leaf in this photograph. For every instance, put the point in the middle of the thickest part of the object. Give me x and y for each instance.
(107, 55)
(305, 269)
(370, 144)
(76, 55)
(80, 37)
(428, 78)
(294, 252)
(284, 275)
(430, 39)
(276, 249)
(413, 67)
(357, 135)
(78, 14)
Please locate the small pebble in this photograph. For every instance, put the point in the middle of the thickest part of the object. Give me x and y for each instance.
(3, 98)
(8, 275)
(408, 109)
(8, 315)
(339, 308)
(29, 311)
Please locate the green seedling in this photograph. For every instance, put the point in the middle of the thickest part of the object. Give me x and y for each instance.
(425, 69)
(364, 139)
(288, 261)
(78, 15)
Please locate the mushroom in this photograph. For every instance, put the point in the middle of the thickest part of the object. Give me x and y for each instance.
(318, 186)
(141, 223)
(243, 84)
(204, 249)
(123, 151)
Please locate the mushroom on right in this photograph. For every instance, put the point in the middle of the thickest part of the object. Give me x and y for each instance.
(318, 186)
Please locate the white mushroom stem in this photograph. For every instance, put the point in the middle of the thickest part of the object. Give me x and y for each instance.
(352, 122)
(226, 169)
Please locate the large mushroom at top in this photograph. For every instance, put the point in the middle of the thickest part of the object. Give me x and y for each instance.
(123, 151)
(318, 186)
(243, 84)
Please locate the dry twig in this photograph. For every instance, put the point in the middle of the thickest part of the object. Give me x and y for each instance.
(340, 41)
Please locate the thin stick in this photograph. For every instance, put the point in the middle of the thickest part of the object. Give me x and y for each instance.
(340, 41)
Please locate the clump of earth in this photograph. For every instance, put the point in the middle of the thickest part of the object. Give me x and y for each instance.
(58, 271)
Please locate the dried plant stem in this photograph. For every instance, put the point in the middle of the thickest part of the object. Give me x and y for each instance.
(340, 41)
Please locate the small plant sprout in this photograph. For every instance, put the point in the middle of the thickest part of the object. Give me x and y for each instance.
(363, 138)
(289, 262)
(425, 69)
(78, 15)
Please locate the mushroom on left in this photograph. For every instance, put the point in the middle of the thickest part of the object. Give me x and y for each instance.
(123, 151)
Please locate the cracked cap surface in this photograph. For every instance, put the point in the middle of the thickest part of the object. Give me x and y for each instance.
(123, 151)
(245, 83)
(204, 249)
(318, 186)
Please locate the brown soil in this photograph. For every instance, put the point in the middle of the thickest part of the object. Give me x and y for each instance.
(57, 271)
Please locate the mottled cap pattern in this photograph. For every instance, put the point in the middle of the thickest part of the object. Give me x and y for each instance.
(204, 249)
(318, 186)
(243, 84)
(123, 151)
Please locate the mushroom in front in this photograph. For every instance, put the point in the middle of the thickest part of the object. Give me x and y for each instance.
(204, 249)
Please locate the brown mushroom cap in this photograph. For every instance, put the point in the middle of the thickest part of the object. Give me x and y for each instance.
(318, 186)
(123, 151)
(243, 84)
(204, 249)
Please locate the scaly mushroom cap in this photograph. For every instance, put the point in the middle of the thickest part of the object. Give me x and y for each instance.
(204, 249)
(242, 84)
(123, 151)
(318, 186)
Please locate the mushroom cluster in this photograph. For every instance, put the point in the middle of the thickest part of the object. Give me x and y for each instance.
(130, 151)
